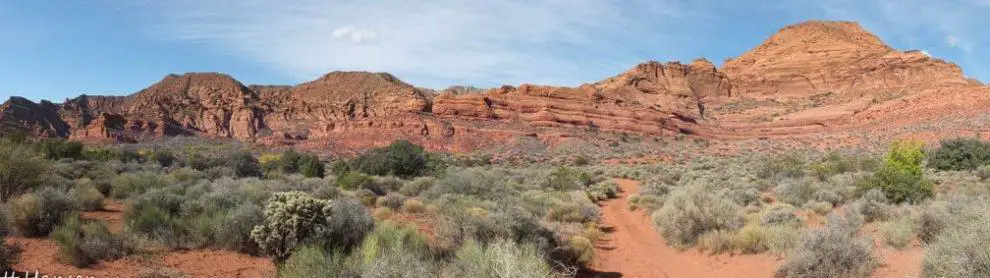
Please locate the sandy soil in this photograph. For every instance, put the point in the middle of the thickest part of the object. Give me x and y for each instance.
(632, 248)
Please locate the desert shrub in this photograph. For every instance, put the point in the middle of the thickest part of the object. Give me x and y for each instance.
(751, 239)
(233, 231)
(962, 248)
(563, 178)
(244, 164)
(500, 259)
(692, 211)
(607, 190)
(37, 214)
(790, 165)
(162, 157)
(717, 241)
(391, 200)
(294, 218)
(382, 214)
(781, 240)
(832, 251)
(354, 180)
(873, 205)
(779, 215)
(416, 186)
(133, 184)
(401, 158)
(312, 261)
(900, 177)
(310, 166)
(156, 225)
(58, 148)
(384, 185)
(831, 165)
(84, 244)
(20, 170)
(821, 208)
(388, 237)
(960, 154)
(796, 191)
(479, 182)
(86, 196)
(413, 206)
(186, 175)
(580, 249)
(328, 192)
(897, 233)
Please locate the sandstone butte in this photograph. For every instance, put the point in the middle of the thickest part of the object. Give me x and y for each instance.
(812, 77)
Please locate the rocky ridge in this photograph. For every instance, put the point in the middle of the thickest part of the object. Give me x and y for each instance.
(811, 77)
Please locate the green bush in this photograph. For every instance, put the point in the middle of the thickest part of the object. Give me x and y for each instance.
(354, 181)
(897, 186)
(244, 164)
(162, 157)
(311, 167)
(416, 186)
(389, 236)
(832, 252)
(500, 259)
(86, 196)
(900, 178)
(391, 200)
(57, 148)
(401, 158)
(20, 170)
(84, 244)
(233, 231)
(133, 184)
(294, 218)
(312, 261)
(789, 165)
(37, 214)
(156, 225)
(960, 154)
(692, 211)
(563, 178)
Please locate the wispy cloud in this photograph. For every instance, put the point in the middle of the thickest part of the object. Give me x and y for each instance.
(566, 42)
(427, 42)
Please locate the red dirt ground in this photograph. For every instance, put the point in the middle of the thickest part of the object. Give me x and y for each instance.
(632, 248)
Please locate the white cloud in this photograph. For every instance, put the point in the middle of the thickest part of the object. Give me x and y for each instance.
(354, 34)
(952, 41)
(427, 43)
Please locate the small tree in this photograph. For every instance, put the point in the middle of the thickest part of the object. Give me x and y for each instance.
(900, 178)
(311, 166)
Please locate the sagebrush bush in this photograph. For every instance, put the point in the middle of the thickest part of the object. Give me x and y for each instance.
(796, 191)
(20, 170)
(692, 211)
(156, 225)
(354, 180)
(790, 165)
(132, 184)
(960, 154)
(37, 214)
(717, 241)
(500, 259)
(962, 250)
(312, 261)
(780, 215)
(294, 218)
(233, 231)
(244, 164)
(389, 237)
(833, 251)
(82, 244)
(413, 206)
(416, 186)
(897, 233)
(86, 196)
(873, 205)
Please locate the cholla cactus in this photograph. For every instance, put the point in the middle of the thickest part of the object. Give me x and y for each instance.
(295, 218)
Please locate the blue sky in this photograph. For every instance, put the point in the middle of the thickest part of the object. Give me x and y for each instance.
(59, 49)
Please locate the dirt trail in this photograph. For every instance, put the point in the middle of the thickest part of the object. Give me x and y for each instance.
(632, 248)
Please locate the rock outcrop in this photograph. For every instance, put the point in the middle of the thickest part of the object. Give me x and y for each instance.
(806, 78)
(820, 57)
